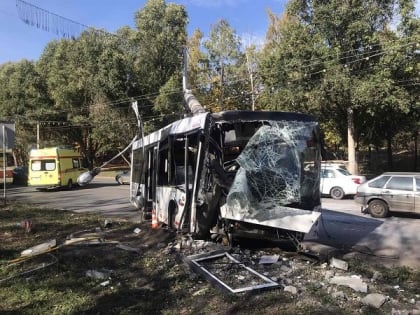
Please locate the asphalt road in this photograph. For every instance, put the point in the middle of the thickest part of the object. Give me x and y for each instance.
(102, 195)
(396, 240)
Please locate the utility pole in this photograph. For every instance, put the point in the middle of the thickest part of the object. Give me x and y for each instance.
(351, 143)
(251, 77)
(37, 134)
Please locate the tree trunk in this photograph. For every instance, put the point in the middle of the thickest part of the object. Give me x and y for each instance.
(416, 138)
(351, 147)
(389, 152)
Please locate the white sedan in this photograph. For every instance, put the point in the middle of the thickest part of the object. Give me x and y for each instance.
(338, 182)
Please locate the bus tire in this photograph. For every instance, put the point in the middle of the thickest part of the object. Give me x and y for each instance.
(173, 211)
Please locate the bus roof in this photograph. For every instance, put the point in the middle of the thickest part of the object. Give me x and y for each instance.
(245, 115)
(198, 121)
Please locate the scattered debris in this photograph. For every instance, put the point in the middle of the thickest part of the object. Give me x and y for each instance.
(339, 264)
(353, 282)
(85, 240)
(38, 249)
(224, 271)
(291, 289)
(268, 259)
(137, 230)
(98, 274)
(374, 299)
(51, 260)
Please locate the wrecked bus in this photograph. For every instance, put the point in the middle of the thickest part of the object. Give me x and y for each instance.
(233, 173)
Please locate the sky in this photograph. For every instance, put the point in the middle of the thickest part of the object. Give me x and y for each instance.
(21, 41)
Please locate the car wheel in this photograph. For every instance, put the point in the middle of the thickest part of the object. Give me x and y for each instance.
(70, 184)
(337, 193)
(120, 180)
(378, 209)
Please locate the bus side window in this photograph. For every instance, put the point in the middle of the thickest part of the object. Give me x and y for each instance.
(178, 162)
(163, 168)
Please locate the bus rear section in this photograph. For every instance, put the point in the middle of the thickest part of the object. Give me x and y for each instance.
(54, 167)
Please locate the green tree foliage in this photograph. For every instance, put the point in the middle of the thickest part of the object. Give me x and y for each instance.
(335, 59)
(160, 38)
(23, 92)
(226, 69)
(82, 74)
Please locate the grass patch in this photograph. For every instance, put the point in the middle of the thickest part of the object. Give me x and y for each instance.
(151, 280)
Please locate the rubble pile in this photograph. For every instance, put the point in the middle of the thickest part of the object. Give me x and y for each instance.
(306, 279)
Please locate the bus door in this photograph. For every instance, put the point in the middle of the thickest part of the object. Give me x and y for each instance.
(184, 153)
(137, 182)
(150, 180)
(164, 192)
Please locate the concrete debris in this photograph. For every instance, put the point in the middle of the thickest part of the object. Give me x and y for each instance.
(200, 292)
(353, 282)
(291, 289)
(329, 274)
(339, 264)
(374, 299)
(268, 259)
(290, 272)
(95, 274)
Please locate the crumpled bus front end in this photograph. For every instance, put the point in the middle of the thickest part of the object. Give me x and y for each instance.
(276, 188)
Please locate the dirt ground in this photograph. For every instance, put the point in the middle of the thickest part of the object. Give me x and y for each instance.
(120, 267)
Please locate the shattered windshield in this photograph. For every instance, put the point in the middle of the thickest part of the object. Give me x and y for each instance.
(278, 167)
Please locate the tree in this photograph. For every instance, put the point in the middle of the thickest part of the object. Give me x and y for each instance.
(338, 45)
(23, 91)
(226, 69)
(292, 66)
(161, 35)
(87, 73)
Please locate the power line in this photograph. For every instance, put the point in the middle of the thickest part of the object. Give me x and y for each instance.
(48, 21)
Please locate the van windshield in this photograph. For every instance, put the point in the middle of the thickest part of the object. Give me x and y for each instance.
(43, 165)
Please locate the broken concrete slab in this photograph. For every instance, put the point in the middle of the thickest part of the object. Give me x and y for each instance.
(291, 289)
(353, 282)
(96, 274)
(339, 264)
(268, 259)
(374, 299)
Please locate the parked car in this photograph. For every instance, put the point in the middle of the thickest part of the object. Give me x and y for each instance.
(391, 191)
(20, 175)
(338, 182)
(123, 177)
